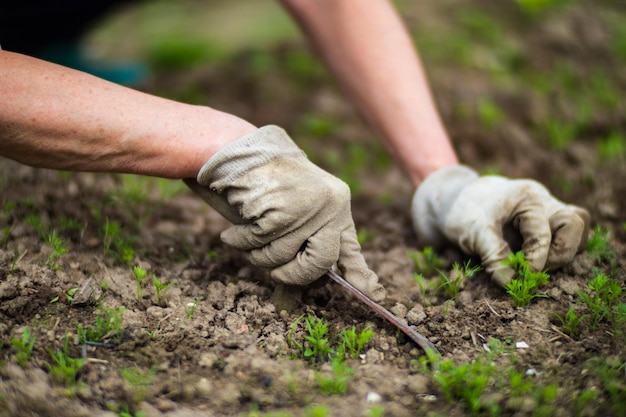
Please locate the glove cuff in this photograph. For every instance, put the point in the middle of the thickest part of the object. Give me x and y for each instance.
(433, 200)
(246, 153)
(444, 185)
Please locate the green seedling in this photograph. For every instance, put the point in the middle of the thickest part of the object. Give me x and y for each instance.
(466, 382)
(319, 347)
(352, 342)
(23, 347)
(376, 412)
(14, 259)
(611, 373)
(452, 284)
(139, 380)
(427, 262)
(64, 369)
(524, 288)
(161, 289)
(125, 411)
(34, 221)
(612, 147)
(337, 382)
(424, 285)
(107, 327)
(5, 233)
(598, 246)
(571, 322)
(139, 274)
(116, 243)
(59, 248)
(68, 295)
(489, 114)
(190, 308)
(69, 224)
(365, 235)
(601, 296)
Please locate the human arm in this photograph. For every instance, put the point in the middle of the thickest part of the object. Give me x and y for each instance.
(55, 117)
(367, 48)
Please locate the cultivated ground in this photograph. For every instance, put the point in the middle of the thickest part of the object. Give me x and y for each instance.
(525, 91)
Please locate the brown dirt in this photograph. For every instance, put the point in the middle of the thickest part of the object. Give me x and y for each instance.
(233, 355)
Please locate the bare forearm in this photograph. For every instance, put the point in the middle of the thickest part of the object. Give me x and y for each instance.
(55, 117)
(366, 46)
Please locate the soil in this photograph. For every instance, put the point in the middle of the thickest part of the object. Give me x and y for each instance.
(233, 352)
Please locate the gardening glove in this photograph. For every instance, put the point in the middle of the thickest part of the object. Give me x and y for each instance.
(289, 215)
(455, 204)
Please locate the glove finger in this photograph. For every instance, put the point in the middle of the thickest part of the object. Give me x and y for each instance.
(277, 252)
(354, 269)
(271, 226)
(534, 227)
(319, 255)
(492, 249)
(570, 228)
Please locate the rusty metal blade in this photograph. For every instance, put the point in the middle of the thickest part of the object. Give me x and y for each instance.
(421, 341)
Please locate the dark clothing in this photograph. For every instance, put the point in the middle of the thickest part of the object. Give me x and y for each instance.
(29, 26)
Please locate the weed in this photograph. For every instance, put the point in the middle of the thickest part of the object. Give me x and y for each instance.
(427, 262)
(59, 248)
(337, 382)
(65, 369)
(161, 289)
(452, 284)
(23, 347)
(108, 326)
(139, 274)
(524, 289)
(352, 342)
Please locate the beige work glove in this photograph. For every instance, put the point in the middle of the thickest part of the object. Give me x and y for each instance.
(289, 215)
(455, 204)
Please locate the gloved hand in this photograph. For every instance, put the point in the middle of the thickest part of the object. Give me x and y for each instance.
(289, 215)
(454, 204)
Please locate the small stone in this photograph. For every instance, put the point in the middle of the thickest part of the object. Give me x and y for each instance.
(399, 310)
(373, 397)
(204, 388)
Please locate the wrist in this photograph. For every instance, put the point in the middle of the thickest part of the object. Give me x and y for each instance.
(181, 145)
